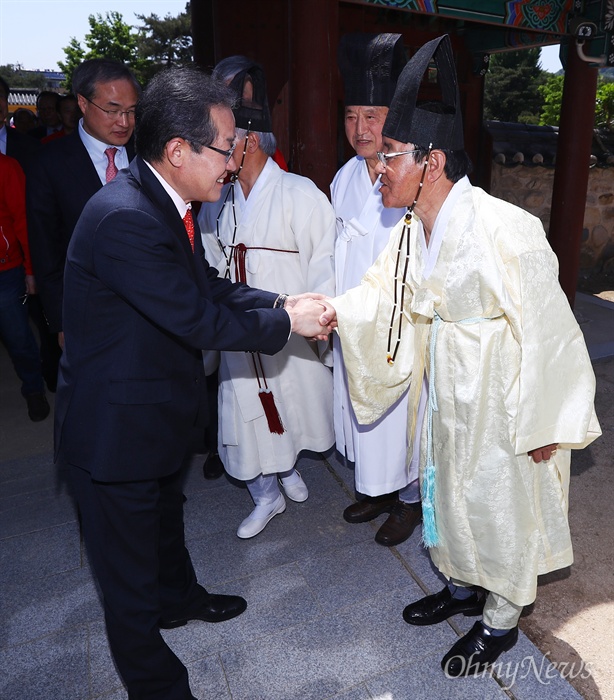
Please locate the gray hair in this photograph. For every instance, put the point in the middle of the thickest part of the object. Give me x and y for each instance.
(268, 142)
(227, 68)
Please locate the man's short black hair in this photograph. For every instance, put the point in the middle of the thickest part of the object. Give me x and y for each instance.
(100, 70)
(177, 103)
(4, 87)
(47, 93)
(68, 97)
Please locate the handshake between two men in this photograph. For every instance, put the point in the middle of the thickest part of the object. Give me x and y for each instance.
(311, 315)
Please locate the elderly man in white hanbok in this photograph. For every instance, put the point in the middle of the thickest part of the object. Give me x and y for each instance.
(370, 65)
(274, 230)
(502, 384)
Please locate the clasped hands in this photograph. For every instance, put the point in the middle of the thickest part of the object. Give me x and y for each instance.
(311, 315)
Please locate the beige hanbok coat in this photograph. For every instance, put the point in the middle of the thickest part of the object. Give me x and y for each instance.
(510, 373)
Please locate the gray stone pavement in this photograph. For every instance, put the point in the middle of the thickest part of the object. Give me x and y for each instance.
(324, 600)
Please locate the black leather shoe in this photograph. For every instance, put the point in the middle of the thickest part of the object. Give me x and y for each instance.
(440, 606)
(400, 524)
(476, 650)
(370, 507)
(214, 608)
(213, 467)
(38, 406)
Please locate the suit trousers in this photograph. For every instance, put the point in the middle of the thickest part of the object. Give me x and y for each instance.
(134, 534)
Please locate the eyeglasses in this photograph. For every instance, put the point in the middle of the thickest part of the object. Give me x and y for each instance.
(227, 154)
(114, 113)
(385, 157)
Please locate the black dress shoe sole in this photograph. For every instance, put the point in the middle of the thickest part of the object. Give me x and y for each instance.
(444, 607)
(424, 622)
(466, 668)
(213, 618)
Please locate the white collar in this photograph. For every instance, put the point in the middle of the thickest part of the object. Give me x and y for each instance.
(431, 253)
(93, 145)
(178, 201)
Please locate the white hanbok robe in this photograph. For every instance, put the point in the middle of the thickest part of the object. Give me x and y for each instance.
(363, 228)
(510, 371)
(288, 226)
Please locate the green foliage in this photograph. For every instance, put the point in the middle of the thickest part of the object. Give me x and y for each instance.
(147, 49)
(165, 42)
(109, 37)
(75, 54)
(604, 112)
(512, 86)
(17, 77)
(552, 94)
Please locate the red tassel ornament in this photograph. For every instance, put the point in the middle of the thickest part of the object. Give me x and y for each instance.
(270, 411)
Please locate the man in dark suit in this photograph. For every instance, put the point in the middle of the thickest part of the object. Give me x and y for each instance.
(140, 303)
(67, 172)
(47, 110)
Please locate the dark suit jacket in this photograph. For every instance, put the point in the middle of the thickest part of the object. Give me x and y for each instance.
(21, 147)
(39, 132)
(59, 182)
(138, 306)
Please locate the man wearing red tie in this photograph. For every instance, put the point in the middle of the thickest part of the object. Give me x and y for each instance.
(140, 303)
(67, 172)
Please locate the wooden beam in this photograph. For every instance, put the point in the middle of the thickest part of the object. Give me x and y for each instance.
(572, 168)
(313, 89)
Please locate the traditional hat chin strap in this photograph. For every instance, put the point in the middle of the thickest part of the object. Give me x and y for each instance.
(396, 317)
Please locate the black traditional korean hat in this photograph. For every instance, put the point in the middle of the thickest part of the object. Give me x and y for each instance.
(254, 113)
(407, 121)
(370, 65)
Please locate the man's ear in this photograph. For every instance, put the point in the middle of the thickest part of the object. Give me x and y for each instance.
(436, 164)
(82, 102)
(176, 151)
(253, 142)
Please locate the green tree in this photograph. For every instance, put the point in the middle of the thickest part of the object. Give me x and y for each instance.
(17, 77)
(511, 90)
(604, 108)
(109, 37)
(552, 93)
(75, 54)
(165, 42)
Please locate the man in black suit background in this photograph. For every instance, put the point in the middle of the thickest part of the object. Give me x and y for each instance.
(67, 172)
(140, 303)
(47, 110)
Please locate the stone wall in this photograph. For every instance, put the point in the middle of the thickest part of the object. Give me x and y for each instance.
(531, 189)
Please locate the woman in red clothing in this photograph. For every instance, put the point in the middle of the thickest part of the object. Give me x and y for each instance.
(16, 283)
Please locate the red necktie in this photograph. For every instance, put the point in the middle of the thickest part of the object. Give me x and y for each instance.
(111, 167)
(188, 222)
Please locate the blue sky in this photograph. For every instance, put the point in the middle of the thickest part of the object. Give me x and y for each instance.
(34, 32)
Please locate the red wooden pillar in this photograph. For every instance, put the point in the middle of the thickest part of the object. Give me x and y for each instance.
(572, 168)
(313, 95)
